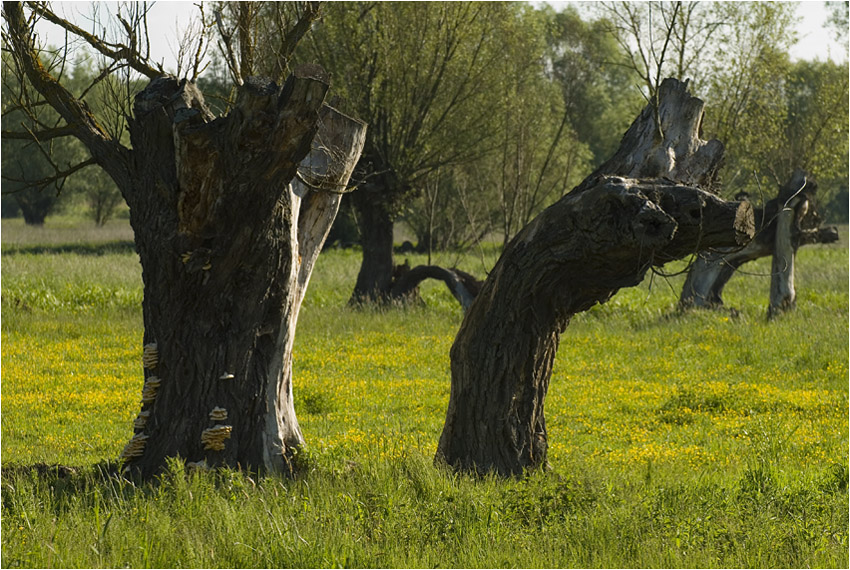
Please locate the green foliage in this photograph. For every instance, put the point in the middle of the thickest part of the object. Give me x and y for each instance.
(772, 115)
(597, 92)
(467, 132)
(33, 170)
(676, 440)
(28, 166)
(419, 75)
(775, 116)
(838, 19)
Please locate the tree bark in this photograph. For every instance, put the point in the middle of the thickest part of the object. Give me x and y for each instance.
(786, 222)
(229, 215)
(227, 245)
(374, 280)
(599, 238)
(783, 295)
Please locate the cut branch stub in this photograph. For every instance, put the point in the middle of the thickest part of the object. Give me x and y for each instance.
(270, 130)
(321, 179)
(676, 152)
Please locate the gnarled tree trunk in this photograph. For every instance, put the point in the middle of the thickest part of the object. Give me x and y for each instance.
(786, 222)
(227, 235)
(599, 238)
(229, 215)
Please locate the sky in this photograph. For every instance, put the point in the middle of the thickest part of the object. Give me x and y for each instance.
(815, 40)
(166, 18)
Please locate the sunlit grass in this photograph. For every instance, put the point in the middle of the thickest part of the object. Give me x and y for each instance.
(64, 230)
(697, 439)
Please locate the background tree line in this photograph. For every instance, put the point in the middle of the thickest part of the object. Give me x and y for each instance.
(481, 115)
(44, 177)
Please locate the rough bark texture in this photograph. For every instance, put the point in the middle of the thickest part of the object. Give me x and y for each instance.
(663, 142)
(226, 238)
(794, 211)
(599, 238)
(227, 245)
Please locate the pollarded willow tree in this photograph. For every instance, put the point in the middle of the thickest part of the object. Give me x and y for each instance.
(423, 75)
(785, 223)
(649, 204)
(229, 215)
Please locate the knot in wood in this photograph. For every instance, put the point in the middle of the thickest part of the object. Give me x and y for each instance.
(653, 227)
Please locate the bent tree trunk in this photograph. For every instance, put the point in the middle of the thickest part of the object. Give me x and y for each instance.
(599, 238)
(227, 245)
(463, 286)
(380, 281)
(787, 222)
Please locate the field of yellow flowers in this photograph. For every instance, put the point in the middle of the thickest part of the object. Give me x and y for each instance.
(651, 414)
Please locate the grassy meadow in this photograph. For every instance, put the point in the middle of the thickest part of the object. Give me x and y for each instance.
(705, 439)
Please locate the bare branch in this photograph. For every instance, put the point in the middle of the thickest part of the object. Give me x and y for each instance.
(44, 135)
(246, 12)
(58, 177)
(292, 37)
(114, 51)
(106, 150)
(226, 48)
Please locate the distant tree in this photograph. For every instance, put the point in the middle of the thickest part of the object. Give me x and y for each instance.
(22, 191)
(746, 88)
(663, 39)
(421, 75)
(596, 88)
(33, 171)
(101, 194)
(538, 157)
(816, 130)
(777, 116)
(110, 97)
(450, 212)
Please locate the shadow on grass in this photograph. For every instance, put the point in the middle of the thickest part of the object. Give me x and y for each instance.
(53, 472)
(104, 248)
